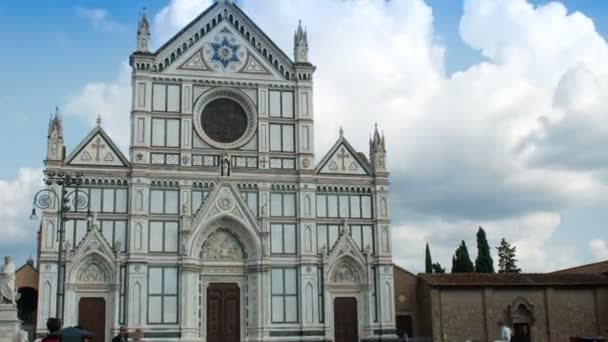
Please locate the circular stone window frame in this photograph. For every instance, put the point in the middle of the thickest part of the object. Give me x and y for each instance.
(237, 96)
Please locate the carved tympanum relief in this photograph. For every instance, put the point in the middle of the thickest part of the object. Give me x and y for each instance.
(222, 246)
(92, 274)
(345, 274)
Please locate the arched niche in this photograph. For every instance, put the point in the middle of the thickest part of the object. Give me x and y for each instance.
(521, 311)
(222, 245)
(242, 233)
(93, 268)
(347, 271)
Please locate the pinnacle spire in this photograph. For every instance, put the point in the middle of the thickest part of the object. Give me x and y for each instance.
(143, 33)
(98, 121)
(300, 44)
(56, 123)
(143, 25)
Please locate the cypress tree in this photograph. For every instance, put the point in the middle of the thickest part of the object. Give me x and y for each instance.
(461, 262)
(437, 268)
(506, 258)
(484, 262)
(428, 260)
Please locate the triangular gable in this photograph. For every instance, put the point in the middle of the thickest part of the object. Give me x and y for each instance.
(344, 160)
(223, 52)
(346, 261)
(93, 241)
(93, 246)
(97, 149)
(176, 53)
(224, 204)
(226, 200)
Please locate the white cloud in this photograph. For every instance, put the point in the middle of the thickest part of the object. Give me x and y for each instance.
(16, 197)
(173, 17)
(110, 100)
(599, 248)
(99, 19)
(507, 143)
(530, 234)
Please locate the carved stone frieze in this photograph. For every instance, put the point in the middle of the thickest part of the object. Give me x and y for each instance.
(222, 246)
(345, 274)
(92, 274)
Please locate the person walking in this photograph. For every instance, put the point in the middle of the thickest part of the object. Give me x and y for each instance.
(122, 336)
(53, 325)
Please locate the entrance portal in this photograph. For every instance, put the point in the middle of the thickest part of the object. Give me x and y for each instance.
(92, 317)
(521, 332)
(223, 313)
(345, 320)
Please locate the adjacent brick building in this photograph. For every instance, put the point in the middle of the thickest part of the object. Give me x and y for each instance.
(471, 307)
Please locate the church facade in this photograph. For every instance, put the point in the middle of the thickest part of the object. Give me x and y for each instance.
(220, 225)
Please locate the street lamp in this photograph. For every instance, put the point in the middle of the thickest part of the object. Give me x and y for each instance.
(45, 199)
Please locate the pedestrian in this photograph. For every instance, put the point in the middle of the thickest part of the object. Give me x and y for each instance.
(122, 335)
(53, 325)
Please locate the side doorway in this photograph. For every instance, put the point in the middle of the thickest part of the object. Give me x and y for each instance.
(92, 317)
(223, 312)
(346, 326)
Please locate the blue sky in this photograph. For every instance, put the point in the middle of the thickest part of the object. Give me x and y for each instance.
(54, 49)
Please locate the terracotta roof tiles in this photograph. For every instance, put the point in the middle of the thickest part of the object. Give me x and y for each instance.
(501, 279)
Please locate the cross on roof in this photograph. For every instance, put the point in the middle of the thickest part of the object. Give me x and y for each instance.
(97, 145)
(343, 156)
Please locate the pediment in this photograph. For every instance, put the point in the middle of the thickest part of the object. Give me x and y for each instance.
(346, 262)
(223, 208)
(345, 245)
(93, 259)
(342, 159)
(223, 53)
(225, 200)
(186, 52)
(97, 149)
(93, 242)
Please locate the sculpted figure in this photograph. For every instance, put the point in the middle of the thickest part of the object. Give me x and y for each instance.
(8, 293)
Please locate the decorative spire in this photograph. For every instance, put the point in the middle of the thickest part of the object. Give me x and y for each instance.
(98, 121)
(376, 140)
(55, 147)
(300, 44)
(143, 33)
(56, 123)
(341, 132)
(377, 151)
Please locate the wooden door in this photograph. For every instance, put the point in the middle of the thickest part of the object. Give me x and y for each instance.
(404, 326)
(521, 332)
(346, 328)
(223, 313)
(92, 317)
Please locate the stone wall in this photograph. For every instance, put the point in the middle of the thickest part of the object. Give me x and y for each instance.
(406, 298)
(474, 313)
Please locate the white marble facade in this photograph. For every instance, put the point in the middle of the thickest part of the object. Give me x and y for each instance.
(221, 186)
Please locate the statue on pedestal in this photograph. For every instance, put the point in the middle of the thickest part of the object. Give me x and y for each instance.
(8, 293)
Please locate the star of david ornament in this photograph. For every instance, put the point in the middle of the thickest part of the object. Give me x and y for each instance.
(225, 52)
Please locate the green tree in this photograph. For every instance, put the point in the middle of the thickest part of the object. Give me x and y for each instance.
(428, 260)
(437, 268)
(461, 262)
(484, 262)
(506, 258)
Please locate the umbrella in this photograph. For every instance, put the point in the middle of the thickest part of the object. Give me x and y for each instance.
(74, 334)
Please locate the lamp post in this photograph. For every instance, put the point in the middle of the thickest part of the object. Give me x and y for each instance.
(45, 199)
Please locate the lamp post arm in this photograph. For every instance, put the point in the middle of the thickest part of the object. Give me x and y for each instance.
(44, 199)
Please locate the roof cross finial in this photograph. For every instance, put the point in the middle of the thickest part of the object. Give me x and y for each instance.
(341, 131)
(98, 120)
